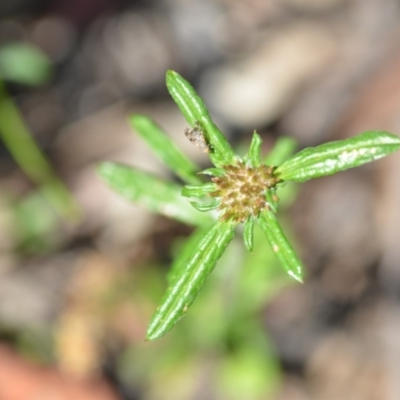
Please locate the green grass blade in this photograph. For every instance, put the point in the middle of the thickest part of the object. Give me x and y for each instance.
(190, 279)
(280, 245)
(151, 192)
(196, 113)
(333, 157)
(165, 149)
(22, 146)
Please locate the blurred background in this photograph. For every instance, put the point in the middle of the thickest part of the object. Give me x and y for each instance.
(82, 270)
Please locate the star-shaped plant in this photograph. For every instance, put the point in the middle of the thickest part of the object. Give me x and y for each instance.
(240, 190)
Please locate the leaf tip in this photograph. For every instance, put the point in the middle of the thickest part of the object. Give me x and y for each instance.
(152, 333)
(171, 74)
(150, 337)
(134, 119)
(104, 168)
(298, 276)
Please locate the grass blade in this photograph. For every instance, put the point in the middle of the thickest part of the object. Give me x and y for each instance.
(16, 136)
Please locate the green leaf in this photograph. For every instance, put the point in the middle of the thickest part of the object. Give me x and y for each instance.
(165, 149)
(333, 157)
(15, 134)
(213, 172)
(272, 199)
(282, 150)
(198, 190)
(254, 151)
(280, 245)
(153, 193)
(186, 250)
(208, 205)
(248, 234)
(190, 279)
(197, 115)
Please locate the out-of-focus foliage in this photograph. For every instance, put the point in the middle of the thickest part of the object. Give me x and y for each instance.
(24, 64)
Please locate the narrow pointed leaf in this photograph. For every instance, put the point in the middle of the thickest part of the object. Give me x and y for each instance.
(165, 149)
(190, 279)
(197, 115)
(248, 234)
(198, 190)
(280, 245)
(272, 199)
(186, 250)
(213, 172)
(151, 192)
(254, 151)
(333, 157)
(208, 205)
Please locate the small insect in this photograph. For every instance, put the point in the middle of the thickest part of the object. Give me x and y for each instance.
(196, 136)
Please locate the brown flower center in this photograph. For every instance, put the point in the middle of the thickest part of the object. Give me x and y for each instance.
(242, 190)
